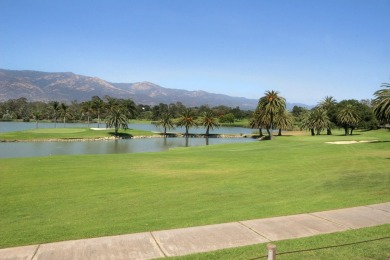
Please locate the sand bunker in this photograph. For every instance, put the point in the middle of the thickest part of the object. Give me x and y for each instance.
(352, 142)
(100, 128)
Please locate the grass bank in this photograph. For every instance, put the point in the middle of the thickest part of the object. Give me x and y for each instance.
(45, 199)
(68, 133)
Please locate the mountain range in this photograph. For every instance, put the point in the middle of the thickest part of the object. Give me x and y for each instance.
(67, 86)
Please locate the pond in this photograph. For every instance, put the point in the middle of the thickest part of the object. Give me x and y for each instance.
(31, 149)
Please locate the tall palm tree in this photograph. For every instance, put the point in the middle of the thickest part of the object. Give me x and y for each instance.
(97, 105)
(382, 104)
(328, 103)
(208, 121)
(166, 122)
(271, 104)
(36, 114)
(348, 118)
(87, 108)
(56, 109)
(117, 118)
(187, 120)
(64, 109)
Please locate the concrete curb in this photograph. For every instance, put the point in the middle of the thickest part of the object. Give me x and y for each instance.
(177, 242)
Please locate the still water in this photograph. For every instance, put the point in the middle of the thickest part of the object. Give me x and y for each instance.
(31, 149)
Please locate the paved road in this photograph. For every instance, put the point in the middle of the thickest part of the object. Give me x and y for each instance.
(185, 241)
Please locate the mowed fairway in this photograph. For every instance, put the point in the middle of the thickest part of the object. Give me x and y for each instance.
(54, 198)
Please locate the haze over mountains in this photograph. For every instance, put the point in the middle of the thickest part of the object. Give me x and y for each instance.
(67, 86)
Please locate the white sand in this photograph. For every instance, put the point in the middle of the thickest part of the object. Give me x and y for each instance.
(352, 142)
(101, 128)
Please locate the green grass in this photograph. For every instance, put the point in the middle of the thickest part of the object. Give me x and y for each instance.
(45, 199)
(365, 243)
(67, 133)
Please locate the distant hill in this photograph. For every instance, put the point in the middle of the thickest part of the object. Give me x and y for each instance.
(67, 86)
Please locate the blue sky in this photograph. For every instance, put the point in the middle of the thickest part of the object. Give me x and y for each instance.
(305, 49)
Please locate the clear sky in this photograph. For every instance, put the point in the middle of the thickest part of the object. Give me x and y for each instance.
(305, 49)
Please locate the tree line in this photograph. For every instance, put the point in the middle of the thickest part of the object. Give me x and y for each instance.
(116, 112)
(349, 115)
(270, 113)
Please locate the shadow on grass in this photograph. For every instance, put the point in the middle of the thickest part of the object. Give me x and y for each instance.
(121, 135)
(377, 142)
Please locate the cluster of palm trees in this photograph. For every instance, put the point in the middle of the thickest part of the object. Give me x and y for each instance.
(188, 120)
(329, 114)
(117, 111)
(271, 114)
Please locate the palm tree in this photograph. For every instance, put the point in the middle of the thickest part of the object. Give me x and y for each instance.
(87, 107)
(259, 121)
(64, 108)
(187, 120)
(284, 120)
(37, 114)
(56, 108)
(271, 104)
(97, 105)
(166, 122)
(328, 103)
(348, 118)
(382, 103)
(316, 120)
(208, 121)
(117, 119)
(307, 123)
(130, 107)
(320, 120)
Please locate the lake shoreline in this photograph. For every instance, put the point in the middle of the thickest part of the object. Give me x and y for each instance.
(131, 137)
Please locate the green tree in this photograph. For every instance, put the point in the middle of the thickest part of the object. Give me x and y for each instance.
(348, 118)
(259, 121)
(187, 119)
(328, 104)
(166, 122)
(319, 120)
(97, 105)
(36, 114)
(56, 109)
(271, 104)
(117, 118)
(284, 121)
(306, 122)
(208, 120)
(64, 111)
(382, 104)
(87, 108)
(227, 118)
(365, 114)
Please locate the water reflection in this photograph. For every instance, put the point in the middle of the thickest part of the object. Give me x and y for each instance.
(31, 149)
(18, 126)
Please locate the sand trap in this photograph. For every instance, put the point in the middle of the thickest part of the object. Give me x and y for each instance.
(101, 128)
(352, 142)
